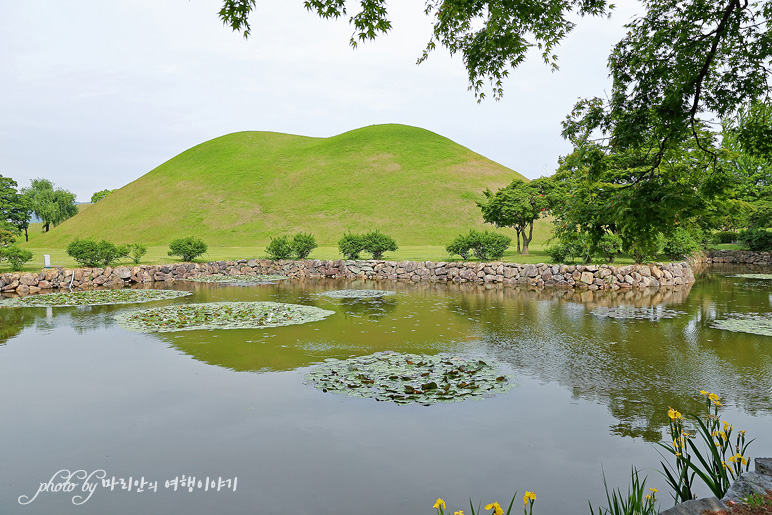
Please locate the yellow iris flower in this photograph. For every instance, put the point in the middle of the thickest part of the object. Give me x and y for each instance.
(495, 507)
(673, 414)
(439, 503)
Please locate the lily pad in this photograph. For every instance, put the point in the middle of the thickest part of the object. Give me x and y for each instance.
(746, 323)
(238, 280)
(753, 276)
(410, 378)
(219, 315)
(356, 294)
(95, 298)
(636, 313)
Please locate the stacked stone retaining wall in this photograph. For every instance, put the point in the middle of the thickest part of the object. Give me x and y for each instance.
(740, 257)
(587, 277)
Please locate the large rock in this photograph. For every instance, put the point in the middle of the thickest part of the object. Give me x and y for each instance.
(122, 272)
(696, 507)
(531, 271)
(750, 483)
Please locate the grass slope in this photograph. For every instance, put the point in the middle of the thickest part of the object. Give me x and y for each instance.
(244, 188)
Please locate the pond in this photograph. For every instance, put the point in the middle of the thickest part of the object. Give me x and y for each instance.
(82, 393)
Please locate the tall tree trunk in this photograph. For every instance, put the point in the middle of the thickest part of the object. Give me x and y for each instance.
(527, 240)
(26, 236)
(45, 226)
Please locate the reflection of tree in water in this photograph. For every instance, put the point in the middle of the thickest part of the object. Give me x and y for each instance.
(636, 367)
(371, 308)
(13, 321)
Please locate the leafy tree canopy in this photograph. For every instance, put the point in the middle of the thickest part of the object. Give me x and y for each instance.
(597, 190)
(516, 206)
(52, 205)
(15, 209)
(99, 195)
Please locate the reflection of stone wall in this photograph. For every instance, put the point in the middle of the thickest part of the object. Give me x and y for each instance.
(579, 277)
(738, 256)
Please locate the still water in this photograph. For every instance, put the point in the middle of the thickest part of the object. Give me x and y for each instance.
(80, 393)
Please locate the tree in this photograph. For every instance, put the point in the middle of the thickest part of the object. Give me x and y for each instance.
(516, 206)
(680, 60)
(52, 205)
(99, 195)
(15, 210)
(597, 191)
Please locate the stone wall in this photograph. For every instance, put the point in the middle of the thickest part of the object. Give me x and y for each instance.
(588, 277)
(744, 257)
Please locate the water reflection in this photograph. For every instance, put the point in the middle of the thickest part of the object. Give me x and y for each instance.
(636, 368)
(12, 322)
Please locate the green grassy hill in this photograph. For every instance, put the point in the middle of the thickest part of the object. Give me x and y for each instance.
(244, 188)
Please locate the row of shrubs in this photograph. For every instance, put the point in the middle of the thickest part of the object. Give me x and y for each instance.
(90, 253)
(375, 243)
(578, 246)
(484, 245)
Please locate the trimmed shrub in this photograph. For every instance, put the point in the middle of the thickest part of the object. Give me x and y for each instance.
(6, 237)
(89, 253)
(485, 245)
(16, 256)
(136, 251)
(187, 248)
(725, 237)
(302, 245)
(462, 245)
(569, 247)
(376, 243)
(351, 245)
(279, 248)
(489, 245)
(609, 246)
(680, 244)
(758, 240)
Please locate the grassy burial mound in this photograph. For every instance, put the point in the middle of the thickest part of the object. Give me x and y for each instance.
(244, 188)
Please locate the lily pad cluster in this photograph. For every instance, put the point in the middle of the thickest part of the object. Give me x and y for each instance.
(636, 313)
(240, 280)
(356, 294)
(410, 378)
(746, 323)
(754, 276)
(95, 298)
(220, 315)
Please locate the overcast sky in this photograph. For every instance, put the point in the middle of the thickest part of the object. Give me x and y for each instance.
(96, 93)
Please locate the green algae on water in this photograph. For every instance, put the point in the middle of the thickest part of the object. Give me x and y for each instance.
(410, 378)
(240, 280)
(652, 313)
(746, 323)
(94, 298)
(356, 294)
(220, 315)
